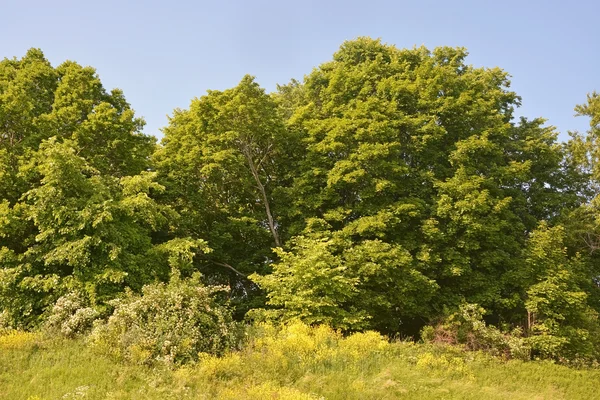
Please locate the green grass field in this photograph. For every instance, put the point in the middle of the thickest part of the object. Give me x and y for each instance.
(297, 362)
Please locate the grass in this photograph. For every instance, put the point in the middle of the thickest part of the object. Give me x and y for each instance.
(296, 362)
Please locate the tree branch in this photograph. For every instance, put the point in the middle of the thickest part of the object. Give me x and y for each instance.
(222, 264)
(263, 192)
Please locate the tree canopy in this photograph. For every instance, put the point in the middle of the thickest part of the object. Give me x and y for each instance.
(385, 190)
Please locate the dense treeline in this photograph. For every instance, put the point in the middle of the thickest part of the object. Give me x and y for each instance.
(388, 190)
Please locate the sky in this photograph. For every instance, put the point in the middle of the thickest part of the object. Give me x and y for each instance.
(164, 53)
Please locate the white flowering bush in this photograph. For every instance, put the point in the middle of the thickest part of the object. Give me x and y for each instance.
(71, 315)
(5, 324)
(170, 323)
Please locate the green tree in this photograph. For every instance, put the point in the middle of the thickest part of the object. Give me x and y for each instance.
(326, 277)
(559, 317)
(418, 150)
(91, 232)
(27, 89)
(76, 207)
(582, 223)
(222, 161)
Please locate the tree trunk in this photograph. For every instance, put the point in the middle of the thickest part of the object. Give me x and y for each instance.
(263, 193)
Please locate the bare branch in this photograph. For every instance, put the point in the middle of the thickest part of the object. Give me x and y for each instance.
(271, 221)
(267, 152)
(222, 264)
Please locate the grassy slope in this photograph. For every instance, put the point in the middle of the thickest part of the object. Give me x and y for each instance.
(298, 363)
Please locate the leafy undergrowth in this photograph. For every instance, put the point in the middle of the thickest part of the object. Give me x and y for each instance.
(296, 362)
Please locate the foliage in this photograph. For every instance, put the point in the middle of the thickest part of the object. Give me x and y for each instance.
(294, 361)
(467, 327)
(170, 323)
(385, 188)
(562, 323)
(416, 152)
(71, 315)
(312, 284)
(221, 161)
(75, 206)
(329, 279)
(583, 223)
(87, 230)
(68, 102)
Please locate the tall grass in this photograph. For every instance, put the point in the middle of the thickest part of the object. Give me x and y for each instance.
(294, 362)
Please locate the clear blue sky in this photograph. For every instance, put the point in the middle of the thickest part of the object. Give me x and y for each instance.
(164, 53)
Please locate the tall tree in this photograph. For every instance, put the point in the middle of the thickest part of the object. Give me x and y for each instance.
(222, 161)
(584, 162)
(582, 223)
(560, 319)
(76, 208)
(418, 150)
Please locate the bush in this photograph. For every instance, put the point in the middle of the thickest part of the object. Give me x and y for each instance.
(71, 315)
(14, 339)
(287, 352)
(564, 327)
(169, 323)
(5, 322)
(466, 327)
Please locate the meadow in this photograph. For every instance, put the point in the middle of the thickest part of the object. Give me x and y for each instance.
(293, 362)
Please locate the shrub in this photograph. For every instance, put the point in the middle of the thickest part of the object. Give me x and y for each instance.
(170, 323)
(5, 323)
(71, 315)
(326, 278)
(467, 327)
(443, 364)
(15, 339)
(564, 327)
(285, 353)
(563, 324)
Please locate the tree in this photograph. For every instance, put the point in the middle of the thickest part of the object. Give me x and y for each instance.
(326, 277)
(559, 317)
(92, 232)
(76, 209)
(27, 89)
(582, 221)
(222, 161)
(418, 150)
(584, 165)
